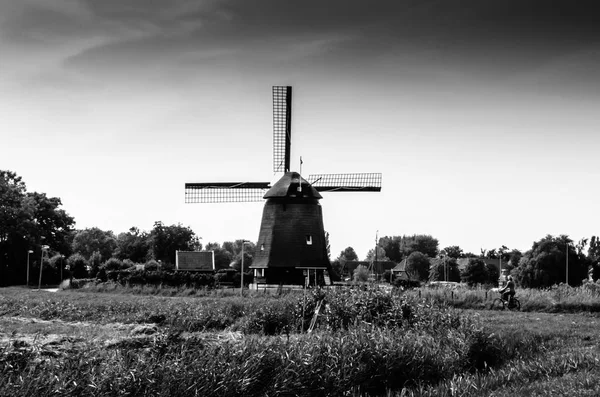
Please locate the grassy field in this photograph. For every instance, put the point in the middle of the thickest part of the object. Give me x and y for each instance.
(111, 343)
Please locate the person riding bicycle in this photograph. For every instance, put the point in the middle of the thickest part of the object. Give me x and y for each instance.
(508, 292)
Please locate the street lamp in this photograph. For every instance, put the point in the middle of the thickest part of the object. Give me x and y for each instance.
(567, 273)
(62, 258)
(45, 248)
(242, 269)
(28, 252)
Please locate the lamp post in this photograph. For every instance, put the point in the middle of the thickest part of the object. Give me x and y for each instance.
(567, 273)
(62, 258)
(44, 249)
(28, 252)
(242, 270)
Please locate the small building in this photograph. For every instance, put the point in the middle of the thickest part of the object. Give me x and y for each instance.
(399, 271)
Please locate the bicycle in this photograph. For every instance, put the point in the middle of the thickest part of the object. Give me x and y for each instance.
(501, 304)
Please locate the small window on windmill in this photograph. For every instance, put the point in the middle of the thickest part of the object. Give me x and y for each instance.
(308, 239)
(262, 247)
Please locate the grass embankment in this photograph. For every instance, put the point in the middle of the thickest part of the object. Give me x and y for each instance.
(366, 342)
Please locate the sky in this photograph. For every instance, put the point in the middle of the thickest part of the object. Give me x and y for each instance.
(482, 116)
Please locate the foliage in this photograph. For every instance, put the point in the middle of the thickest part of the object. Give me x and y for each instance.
(223, 258)
(28, 220)
(151, 266)
(417, 266)
(445, 269)
(381, 256)
(493, 274)
(545, 264)
(90, 240)
(165, 240)
(513, 260)
(348, 254)
(235, 249)
(398, 248)
(112, 264)
(133, 245)
(78, 265)
(366, 343)
(361, 274)
(475, 272)
(95, 262)
(161, 277)
(453, 251)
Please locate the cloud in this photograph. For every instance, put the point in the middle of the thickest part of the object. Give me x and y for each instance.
(96, 39)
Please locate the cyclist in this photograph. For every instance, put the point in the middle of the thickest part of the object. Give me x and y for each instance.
(508, 292)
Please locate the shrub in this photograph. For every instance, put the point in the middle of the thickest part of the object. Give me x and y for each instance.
(151, 266)
(417, 266)
(361, 274)
(78, 266)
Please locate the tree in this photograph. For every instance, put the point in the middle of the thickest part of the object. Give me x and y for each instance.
(546, 263)
(88, 241)
(95, 262)
(453, 251)
(339, 263)
(28, 220)
(249, 251)
(493, 274)
(399, 247)
(78, 265)
(361, 274)
(514, 257)
(223, 258)
(417, 266)
(475, 272)
(594, 257)
(381, 256)
(133, 245)
(445, 269)
(165, 240)
(348, 254)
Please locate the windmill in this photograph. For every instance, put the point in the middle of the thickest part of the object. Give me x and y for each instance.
(291, 243)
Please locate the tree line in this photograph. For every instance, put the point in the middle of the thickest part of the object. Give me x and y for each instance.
(551, 260)
(30, 221)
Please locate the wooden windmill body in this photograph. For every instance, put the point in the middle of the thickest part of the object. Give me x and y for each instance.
(291, 243)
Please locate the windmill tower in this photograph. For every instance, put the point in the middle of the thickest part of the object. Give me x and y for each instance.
(291, 246)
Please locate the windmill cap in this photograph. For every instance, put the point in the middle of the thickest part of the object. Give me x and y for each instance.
(288, 186)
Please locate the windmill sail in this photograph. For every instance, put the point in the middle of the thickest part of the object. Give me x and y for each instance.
(282, 128)
(365, 182)
(225, 192)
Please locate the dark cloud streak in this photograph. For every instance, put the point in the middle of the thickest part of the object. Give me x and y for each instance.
(485, 38)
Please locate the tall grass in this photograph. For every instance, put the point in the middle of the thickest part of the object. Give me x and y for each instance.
(559, 298)
(366, 358)
(364, 343)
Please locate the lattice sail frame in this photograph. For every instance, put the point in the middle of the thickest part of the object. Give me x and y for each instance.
(282, 128)
(225, 192)
(362, 182)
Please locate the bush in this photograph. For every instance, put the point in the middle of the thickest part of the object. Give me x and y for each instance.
(361, 274)
(151, 266)
(78, 266)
